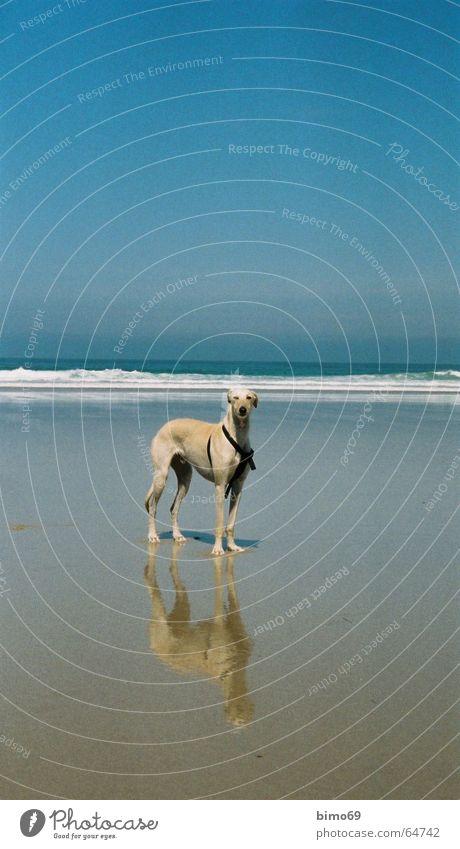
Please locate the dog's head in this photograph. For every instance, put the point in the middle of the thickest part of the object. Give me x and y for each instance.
(242, 401)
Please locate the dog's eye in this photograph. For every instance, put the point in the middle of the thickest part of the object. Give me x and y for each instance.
(235, 397)
(248, 397)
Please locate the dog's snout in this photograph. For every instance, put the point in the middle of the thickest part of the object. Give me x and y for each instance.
(242, 411)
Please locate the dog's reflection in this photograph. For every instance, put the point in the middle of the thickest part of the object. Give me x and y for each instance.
(218, 647)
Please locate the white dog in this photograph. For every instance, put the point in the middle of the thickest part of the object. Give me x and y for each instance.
(219, 452)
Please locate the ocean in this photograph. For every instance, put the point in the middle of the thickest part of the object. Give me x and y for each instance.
(190, 375)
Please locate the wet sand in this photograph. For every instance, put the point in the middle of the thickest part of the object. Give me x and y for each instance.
(318, 664)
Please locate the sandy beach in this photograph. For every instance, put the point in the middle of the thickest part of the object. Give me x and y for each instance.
(318, 664)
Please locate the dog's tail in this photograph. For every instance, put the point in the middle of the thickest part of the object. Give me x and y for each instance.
(147, 498)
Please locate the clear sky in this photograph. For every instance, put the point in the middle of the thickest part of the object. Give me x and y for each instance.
(254, 150)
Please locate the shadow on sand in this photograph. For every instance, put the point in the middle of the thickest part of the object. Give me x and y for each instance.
(202, 536)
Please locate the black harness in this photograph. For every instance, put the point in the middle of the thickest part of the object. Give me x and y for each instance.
(246, 457)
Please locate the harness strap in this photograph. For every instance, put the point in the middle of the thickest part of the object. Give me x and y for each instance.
(246, 457)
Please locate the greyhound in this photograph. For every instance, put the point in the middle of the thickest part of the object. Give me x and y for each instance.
(219, 452)
(218, 647)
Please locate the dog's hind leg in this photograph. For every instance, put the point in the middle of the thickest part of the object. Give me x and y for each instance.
(183, 472)
(154, 494)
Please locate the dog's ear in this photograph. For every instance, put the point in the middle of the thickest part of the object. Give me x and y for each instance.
(256, 399)
(229, 396)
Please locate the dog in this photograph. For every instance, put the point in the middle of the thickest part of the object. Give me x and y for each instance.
(221, 453)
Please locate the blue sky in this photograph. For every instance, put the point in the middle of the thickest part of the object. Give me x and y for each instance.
(318, 245)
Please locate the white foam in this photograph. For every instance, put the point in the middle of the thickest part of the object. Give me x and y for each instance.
(114, 380)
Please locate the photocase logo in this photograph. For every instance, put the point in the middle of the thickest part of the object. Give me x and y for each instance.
(32, 822)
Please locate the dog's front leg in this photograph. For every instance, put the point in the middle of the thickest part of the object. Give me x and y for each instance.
(220, 497)
(235, 497)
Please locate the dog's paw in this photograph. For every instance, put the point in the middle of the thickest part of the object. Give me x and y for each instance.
(234, 547)
(179, 538)
(218, 550)
(154, 538)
